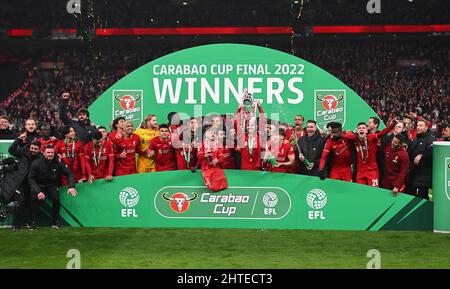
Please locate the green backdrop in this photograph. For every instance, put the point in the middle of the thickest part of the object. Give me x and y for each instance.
(211, 78)
(279, 201)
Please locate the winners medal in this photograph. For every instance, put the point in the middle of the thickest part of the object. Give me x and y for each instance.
(250, 149)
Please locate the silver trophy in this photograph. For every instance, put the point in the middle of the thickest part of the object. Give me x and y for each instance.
(247, 98)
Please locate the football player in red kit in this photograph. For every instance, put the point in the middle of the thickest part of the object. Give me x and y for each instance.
(339, 149)
(293, 135)
(251, 151)
(102, 129)
(183, 141)
(297, 131)
(71, 151)
(99, 156)
(247, 111)
(396, 162)
(226, 153)
(209, 150)
(366, 152)
(118, 126)
(126, 145)
(282, 150)
(162, 151)
(46, 137)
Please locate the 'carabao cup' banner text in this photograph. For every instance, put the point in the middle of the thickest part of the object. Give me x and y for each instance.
(210, 79)
(277, 201)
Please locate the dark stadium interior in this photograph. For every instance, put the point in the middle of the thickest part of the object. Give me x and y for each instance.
(281, 166)
(110, 13)
(392, 72)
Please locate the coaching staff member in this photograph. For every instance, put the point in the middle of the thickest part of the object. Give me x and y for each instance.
(421, 156)
(44, 178)
(16, 183)
(83, 127)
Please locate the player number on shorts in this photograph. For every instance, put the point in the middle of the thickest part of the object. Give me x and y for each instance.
(375, 183)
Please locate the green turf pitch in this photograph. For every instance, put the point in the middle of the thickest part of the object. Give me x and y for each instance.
(220, 248)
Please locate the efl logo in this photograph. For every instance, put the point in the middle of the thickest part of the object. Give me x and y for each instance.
(127, 101)
(179, 202)
(270, 200)
(316, 199)
(129, 197)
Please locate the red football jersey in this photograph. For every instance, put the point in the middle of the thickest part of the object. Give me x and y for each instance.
(396, 163)
(131, 146)
(342, 154)
(73, 156)
(207, 153)
(226, 160)
(164, 154)
(186, 154)
(281, 154)
(99, 161)
(366, 150)
(251, 161)
(44, 142)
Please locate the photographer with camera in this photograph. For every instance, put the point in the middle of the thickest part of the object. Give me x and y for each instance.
(44, 178)
(14, 183)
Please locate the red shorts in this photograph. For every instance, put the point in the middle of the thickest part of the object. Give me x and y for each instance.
(341, 173)
(369, 178)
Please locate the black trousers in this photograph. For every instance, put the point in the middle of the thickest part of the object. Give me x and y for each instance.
(22, 211)
(50, 192)
(420, 191)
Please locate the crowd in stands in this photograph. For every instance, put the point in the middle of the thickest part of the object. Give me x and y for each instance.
(372, 68)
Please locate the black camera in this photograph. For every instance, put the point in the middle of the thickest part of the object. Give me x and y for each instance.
(9, 164)
(8, 208)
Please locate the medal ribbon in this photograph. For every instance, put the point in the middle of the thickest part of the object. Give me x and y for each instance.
(97, 160)
(361, 149)
(187, 156)
(67, 149)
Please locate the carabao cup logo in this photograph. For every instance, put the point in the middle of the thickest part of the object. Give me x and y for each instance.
(330, 102)
(270, 200)
(179, 202)
(129, 197)
(316, 199)
(329, 105)
(127, 101)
